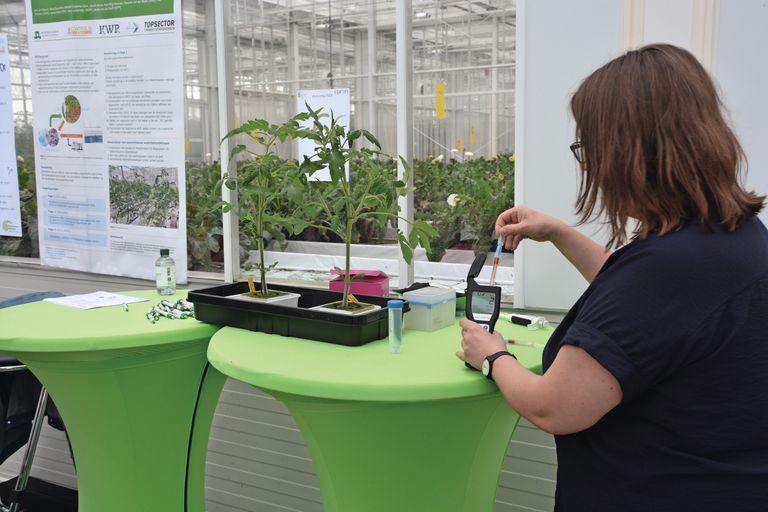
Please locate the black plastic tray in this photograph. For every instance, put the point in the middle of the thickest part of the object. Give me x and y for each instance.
(212, 305)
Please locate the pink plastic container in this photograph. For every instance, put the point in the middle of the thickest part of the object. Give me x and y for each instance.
(373, 282)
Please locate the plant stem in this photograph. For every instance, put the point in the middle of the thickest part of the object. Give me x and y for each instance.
(347, 277)
(260, 241)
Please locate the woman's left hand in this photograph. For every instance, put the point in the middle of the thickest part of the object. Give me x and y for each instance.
(477, 343)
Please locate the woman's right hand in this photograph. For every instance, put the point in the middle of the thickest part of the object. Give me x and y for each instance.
(521, 222)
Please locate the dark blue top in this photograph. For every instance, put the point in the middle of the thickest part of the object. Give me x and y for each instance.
(681, 321)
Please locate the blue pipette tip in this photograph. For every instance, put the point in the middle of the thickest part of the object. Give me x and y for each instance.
(499, 245)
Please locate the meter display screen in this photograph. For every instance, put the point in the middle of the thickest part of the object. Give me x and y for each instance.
(483, 304)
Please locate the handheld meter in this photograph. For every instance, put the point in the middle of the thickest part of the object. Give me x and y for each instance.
(483, 301)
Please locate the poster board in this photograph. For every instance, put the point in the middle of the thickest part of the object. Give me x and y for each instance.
(108, 95)
(334, 101)
(10, 208)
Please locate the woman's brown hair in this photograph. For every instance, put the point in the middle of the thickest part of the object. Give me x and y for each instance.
(656, 147)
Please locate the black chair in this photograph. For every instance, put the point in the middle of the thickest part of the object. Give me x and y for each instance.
(17, 387)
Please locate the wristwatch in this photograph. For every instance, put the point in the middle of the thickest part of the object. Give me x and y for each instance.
(488, 362)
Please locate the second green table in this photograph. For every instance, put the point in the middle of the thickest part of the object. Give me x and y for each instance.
(413, 431)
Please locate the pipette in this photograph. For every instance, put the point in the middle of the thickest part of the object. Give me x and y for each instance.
(496, 256)
(525, 343)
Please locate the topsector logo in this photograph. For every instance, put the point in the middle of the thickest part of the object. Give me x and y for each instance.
(159, 25)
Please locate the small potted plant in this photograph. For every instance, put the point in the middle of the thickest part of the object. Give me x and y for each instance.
(264, 183)
(372, 195)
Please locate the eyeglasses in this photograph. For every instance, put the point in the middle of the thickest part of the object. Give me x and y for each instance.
(577, 148)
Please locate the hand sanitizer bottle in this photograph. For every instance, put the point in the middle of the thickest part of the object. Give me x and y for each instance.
(165, 273)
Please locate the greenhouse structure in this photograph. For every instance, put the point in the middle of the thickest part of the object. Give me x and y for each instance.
(197, 197)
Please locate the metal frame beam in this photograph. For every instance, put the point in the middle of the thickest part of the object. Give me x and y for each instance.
(404, 66)
(226, 109)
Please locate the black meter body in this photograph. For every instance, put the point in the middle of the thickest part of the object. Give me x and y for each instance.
(483, 301)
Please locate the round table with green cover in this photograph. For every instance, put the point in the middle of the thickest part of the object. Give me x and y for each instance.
(128, 392)
(415, 431)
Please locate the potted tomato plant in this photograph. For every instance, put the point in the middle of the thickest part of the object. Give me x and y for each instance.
(264, 182)
(343, 203)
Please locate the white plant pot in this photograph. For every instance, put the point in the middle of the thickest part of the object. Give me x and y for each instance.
(323, 307)
(284, 299)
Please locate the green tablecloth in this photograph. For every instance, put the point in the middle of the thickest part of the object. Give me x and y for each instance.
(414, 431)
(128, 391)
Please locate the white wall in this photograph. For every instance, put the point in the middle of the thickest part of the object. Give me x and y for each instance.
(668, 21)
(742, 71)
(558, 44)
(561, 42)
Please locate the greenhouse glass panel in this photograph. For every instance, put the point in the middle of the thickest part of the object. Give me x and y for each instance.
(286, 46)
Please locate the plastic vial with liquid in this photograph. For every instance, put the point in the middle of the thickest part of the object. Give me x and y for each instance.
(165, 273)
(395, 308)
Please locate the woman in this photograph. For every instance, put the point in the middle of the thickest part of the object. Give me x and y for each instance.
(656, 382)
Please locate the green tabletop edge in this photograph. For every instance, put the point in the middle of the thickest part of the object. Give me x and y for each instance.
(427, 368)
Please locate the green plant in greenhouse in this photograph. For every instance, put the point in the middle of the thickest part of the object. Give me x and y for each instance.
(370, 230)
(27, 244)
(463, 198)
(372, 195)
(23, 133)
(263, 183)
(204, 228)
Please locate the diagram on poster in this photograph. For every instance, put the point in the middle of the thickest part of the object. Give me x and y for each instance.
(73, 138)
(109, 124)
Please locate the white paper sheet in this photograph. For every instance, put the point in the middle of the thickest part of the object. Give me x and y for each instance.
(95, 300)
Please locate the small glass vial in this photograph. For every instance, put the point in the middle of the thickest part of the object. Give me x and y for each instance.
(165, 273)
(395, 308)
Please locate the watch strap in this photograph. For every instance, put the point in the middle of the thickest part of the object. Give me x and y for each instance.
(493, 357)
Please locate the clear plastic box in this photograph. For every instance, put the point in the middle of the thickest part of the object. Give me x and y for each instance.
(432, 308)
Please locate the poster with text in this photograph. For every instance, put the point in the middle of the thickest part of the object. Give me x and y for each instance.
(108, 98)
(334, 101)
(10, 212)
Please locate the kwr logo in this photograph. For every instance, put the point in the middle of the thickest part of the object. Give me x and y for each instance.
(109, 29)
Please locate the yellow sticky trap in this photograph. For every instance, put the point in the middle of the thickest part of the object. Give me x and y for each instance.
(251, 286)
(440, 100)
(458, 145)
(351, 298)
(472, 136)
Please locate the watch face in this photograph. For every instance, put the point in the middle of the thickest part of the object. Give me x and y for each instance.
(486, 367)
